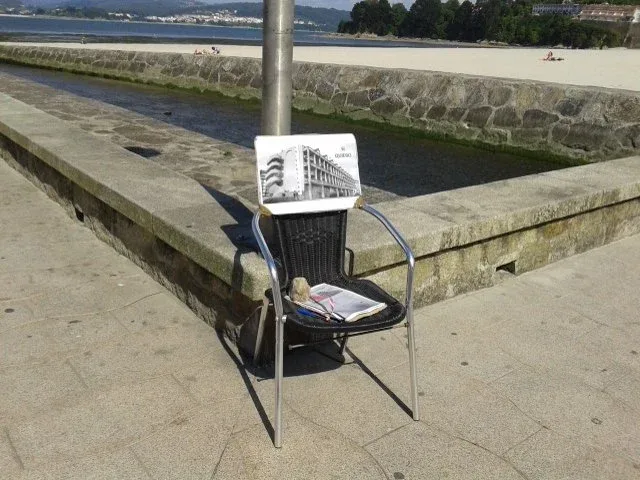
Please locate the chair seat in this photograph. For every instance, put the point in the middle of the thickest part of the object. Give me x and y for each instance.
(391, 315)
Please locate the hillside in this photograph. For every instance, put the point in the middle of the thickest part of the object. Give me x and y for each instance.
(42, 3)
(328, 18)
(329, 4)
(10, 3)
(139, 7)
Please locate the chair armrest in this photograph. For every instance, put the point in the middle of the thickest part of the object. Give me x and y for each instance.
(271, 264)
(411, 261)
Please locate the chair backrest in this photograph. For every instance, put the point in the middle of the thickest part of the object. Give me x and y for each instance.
(307, 173)
(308, 182)
(311, 245)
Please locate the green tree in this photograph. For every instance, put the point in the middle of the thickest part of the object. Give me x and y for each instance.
(447, 15)
(509, 21)
(382, 17)
(398, 14)
(346, 27)
(488, 20)
(507, 31)
(371, 16)
(422, 19)
(461, 26)
(360, 16)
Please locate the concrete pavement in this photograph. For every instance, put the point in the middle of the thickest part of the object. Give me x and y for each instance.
(104, 374)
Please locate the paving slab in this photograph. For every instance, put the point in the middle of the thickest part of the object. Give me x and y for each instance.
(10, 463)
(421, 451)
(549, 456)
(186, 448)
(145, 354)
(34, 387)
(311, 451)
(110, 466)
(99, 421)
(106, 375)
(17, 282)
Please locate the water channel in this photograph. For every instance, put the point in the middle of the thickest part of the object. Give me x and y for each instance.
(402, 164)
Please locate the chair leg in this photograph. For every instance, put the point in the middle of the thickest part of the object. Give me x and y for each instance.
(343, 344)
(263, 316)
(277, 429)
(411, 344)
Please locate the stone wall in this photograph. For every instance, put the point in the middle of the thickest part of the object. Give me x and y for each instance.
(580, 124)
(632, 40)
(629, 32)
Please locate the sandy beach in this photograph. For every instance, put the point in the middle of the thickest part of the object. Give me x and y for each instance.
(614, 68)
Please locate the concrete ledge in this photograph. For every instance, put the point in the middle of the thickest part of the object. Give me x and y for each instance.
(455, 218)
(464, 239)
(167, 205)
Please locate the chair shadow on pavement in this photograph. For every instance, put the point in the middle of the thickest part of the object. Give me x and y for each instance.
(309, 363)
(379, 382)
(240, 365)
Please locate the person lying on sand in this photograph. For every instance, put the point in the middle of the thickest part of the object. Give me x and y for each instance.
(551, 58)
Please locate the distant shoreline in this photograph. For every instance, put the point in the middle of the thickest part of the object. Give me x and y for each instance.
(56, 17)
(98, 19)
(426, 41)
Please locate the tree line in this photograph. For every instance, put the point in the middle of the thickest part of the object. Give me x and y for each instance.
(507, 21)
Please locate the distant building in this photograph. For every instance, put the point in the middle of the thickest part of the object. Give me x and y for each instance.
(611, 13)
(568, 9)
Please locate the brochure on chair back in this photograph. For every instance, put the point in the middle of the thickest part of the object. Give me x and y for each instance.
(340, 304)
(307, 173)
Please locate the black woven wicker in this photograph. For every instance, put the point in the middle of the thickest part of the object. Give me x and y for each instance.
(312, 245)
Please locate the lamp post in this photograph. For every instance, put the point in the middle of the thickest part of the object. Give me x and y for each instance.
(277, 62)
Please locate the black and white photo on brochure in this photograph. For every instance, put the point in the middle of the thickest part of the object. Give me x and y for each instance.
(299, 171)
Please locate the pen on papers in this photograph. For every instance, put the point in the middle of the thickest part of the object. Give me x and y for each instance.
(310, 314)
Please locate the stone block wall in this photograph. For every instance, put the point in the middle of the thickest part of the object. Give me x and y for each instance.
(632, 40)
(450, 272)
(579, 124)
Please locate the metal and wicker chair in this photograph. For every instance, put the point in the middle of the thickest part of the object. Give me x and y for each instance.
(312, 245)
